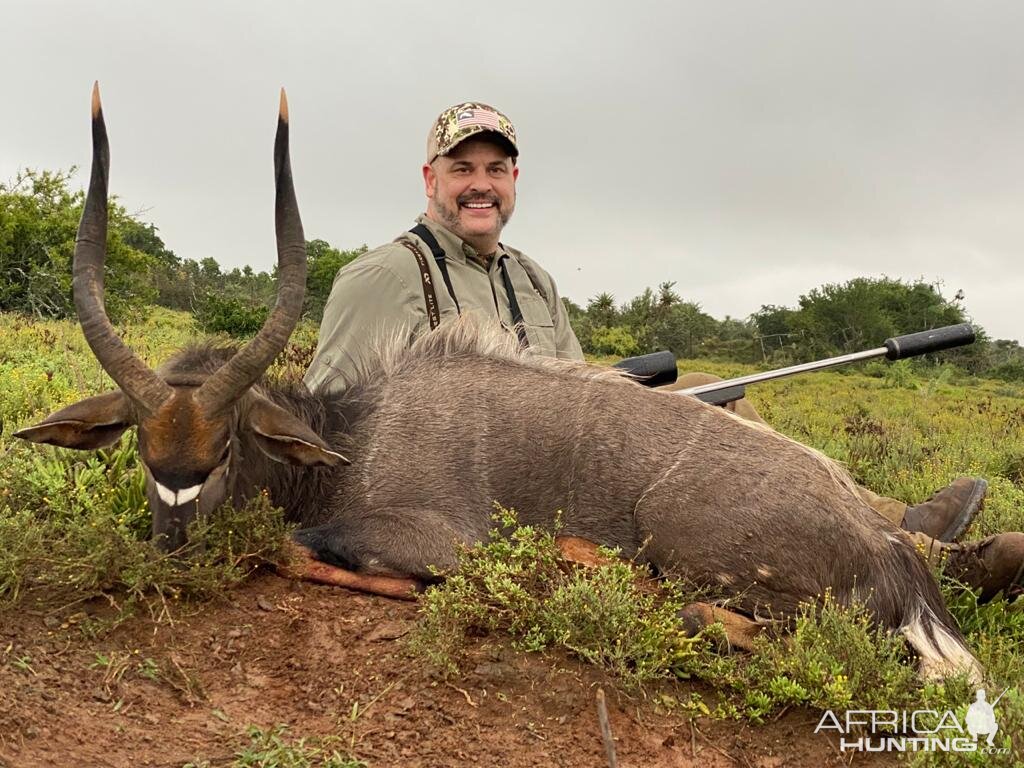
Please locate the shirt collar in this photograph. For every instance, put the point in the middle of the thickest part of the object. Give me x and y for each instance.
(454, 247)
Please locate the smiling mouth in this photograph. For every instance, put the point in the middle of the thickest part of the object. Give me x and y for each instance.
(479, 205)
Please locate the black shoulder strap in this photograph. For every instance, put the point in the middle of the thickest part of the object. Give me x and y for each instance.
(427, 237)
(513, 304)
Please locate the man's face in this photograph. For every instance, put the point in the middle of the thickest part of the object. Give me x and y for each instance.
(472, 191)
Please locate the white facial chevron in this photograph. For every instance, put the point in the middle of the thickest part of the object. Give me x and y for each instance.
(177, 498)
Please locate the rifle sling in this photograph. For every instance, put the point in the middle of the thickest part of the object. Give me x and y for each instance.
(429, 297)
(427, 237)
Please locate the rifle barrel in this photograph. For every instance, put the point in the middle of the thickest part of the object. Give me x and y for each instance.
(780, 373)
(896, 348)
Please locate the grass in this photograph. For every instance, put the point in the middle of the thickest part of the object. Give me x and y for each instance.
(273, 748)
(75, 525)
(50, 564)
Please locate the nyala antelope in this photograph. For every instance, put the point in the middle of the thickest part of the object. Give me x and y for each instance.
(386, 478)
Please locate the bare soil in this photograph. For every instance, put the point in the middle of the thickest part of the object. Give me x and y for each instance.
(325, 661)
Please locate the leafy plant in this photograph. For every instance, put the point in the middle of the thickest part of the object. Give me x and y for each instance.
(269, 748)
(233, 316)
(518, 585)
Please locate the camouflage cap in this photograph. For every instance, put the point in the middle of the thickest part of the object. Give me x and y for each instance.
(458, 123)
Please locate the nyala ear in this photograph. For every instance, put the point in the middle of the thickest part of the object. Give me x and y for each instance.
(96, 422)
(285, 438)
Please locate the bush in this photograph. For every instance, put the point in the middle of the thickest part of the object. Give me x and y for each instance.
(519, 586)
(1012, 371)
(615, 341)
(236, 317)
(899, 375)
(38, 221)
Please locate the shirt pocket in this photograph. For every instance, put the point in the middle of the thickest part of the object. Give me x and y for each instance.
(539, 325)
(535, 310)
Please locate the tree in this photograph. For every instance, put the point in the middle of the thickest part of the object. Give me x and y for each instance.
(323, 264)
(615, 341)
(733, 339)
(38, 223)
(169, 277)
(663, 320)
(683, 328)
(575, 312)
(775, 333)
(861, 313)
(601, 310)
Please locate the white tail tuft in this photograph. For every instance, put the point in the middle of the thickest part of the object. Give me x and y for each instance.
(942, 654)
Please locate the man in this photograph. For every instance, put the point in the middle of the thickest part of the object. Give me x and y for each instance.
(453, 262)
(450, 263)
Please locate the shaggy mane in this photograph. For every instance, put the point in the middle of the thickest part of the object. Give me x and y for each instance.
(199, 357)
(469, 336)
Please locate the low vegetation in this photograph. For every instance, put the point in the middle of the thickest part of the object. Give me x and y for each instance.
(275, 748)
(518, 589)
(517, 585)
(75, 525)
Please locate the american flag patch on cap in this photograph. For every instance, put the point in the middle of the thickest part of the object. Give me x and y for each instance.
(459, 122)
(469, 118)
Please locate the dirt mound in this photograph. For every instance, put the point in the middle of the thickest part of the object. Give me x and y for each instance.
(326, 661)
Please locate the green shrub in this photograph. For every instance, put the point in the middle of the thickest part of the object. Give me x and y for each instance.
(225, 314)
(1012, 371)
(615, 341)
(271, 748)
(833, 659)
(518, 586)
(899, 375)
(51, 561)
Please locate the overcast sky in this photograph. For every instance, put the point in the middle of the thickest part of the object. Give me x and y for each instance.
(749, 151)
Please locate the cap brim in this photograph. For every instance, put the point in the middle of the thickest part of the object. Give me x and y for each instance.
(498, 136)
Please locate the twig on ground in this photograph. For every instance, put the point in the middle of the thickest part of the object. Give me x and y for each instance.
(723, 753)
(606, 729)
(465, 693)
(720, 751)
(532, 730)
(211, 761)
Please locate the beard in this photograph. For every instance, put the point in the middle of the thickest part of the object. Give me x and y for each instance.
(450, 216)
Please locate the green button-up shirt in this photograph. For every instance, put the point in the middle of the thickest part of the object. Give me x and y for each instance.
(378, 298)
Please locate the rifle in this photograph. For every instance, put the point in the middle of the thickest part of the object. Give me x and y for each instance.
(659, 368)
